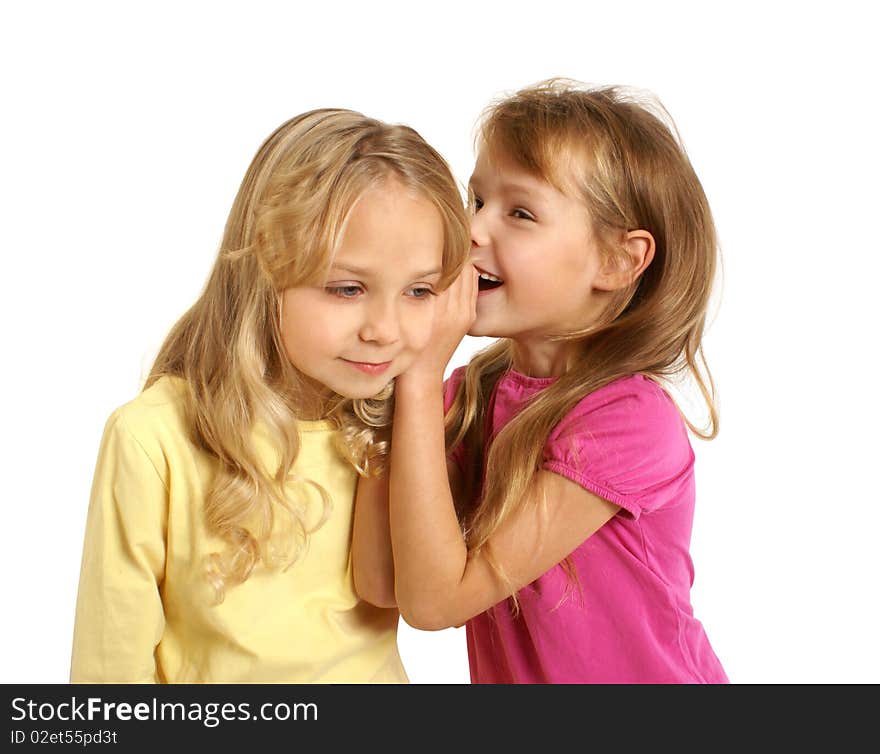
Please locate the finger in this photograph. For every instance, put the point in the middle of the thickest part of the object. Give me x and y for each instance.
(470, 287)
(469, 282)
(455, 290)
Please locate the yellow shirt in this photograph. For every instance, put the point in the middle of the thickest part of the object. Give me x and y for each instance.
(143, 611)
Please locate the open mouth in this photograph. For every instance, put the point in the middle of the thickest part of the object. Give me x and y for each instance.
(487, 281)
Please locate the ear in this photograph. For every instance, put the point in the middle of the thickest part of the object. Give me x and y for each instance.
(622, 270)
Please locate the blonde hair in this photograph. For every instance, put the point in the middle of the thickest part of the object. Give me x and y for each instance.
(285, 224)
(618, 150)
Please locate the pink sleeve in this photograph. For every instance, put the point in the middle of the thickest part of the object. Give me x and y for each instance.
(450, 387)
(626, 443)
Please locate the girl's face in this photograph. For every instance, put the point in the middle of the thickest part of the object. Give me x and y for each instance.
(367, 323)
(538, 258)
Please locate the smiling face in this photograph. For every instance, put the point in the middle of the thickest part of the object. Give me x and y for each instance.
(539, 258)
(369, 320)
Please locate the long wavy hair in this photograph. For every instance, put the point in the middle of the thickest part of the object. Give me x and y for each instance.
(618, 150)
(285, 225)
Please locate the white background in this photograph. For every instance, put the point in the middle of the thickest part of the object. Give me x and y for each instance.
(127, 129)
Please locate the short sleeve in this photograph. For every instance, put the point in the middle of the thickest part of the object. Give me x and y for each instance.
(626, 443)
(119, 614)
(450, 388)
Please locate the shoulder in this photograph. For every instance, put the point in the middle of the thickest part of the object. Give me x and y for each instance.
(455, 377)
(155, 421)
(624, 438)
(635, 404)
(163, 404)
(451, 385)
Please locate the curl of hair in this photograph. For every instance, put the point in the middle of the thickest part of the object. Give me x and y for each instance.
(285, 224)
(619, 151)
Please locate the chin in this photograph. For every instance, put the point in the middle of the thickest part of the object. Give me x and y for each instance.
(361, 392)
(479, 330)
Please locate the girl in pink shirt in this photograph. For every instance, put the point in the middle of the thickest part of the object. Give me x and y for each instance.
(545, 495)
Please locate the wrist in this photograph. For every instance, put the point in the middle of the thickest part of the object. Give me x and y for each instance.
(418, 386)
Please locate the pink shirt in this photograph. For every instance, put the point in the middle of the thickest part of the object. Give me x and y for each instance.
(630, 620)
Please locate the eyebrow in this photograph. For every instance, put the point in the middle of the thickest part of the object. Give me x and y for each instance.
(363, 272)
(513, 187)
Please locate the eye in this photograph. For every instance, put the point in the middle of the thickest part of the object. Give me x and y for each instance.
(476, 203)
(522, 214)
(420, 292)
(344, 291)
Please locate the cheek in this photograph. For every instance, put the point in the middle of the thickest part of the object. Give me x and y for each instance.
(417, 324)
(547, 268)
(519, 260)
(308, 335)
(298, 347)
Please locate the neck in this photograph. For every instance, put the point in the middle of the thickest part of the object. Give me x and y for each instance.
(540, 357)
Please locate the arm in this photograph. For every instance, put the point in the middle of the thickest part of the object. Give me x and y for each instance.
(119, 614)
(437, 584)
(372, 562)
(371, 549)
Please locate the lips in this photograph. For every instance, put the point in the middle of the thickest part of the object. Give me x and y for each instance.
(487, 281)
(369, 367)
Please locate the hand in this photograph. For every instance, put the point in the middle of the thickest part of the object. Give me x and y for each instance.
(454, 313)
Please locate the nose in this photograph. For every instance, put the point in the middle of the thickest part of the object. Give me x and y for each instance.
(381, 323)
(479, 229)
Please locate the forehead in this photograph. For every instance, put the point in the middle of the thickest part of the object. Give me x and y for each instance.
(391, 230)
(494, 170)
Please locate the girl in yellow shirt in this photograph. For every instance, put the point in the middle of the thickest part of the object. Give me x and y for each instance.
(218, 544)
